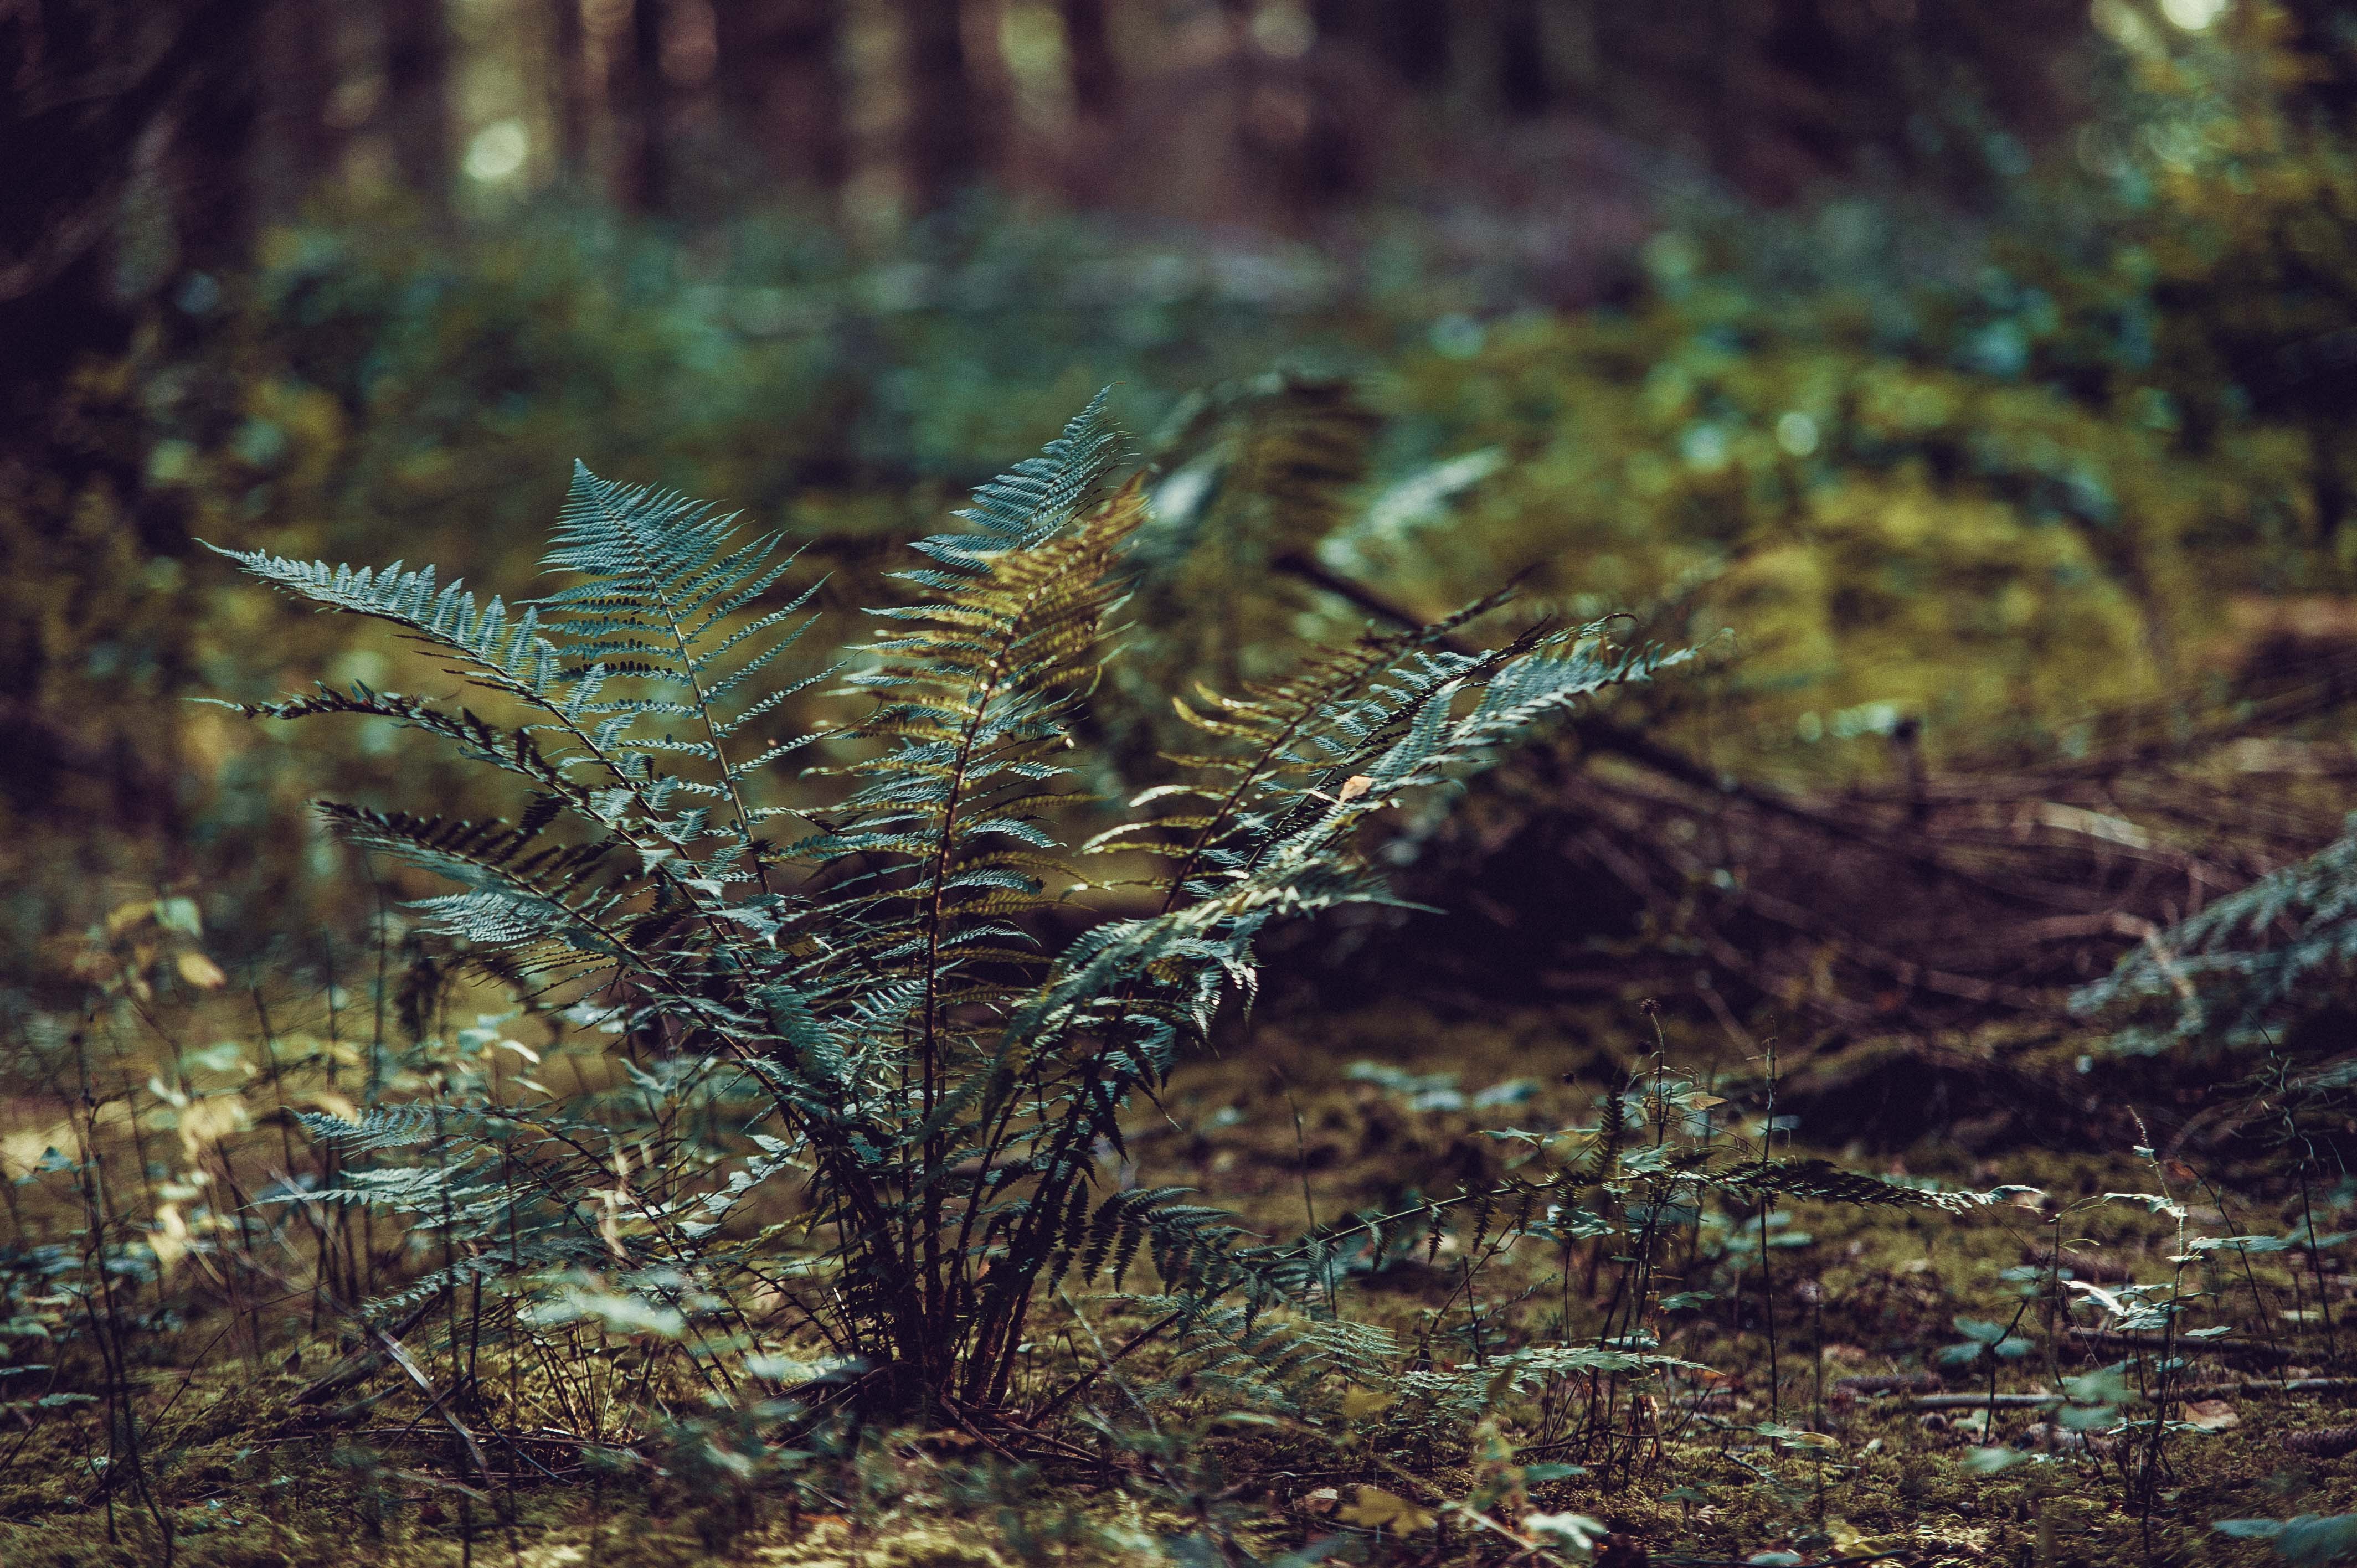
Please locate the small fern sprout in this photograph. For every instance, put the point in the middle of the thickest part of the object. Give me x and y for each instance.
(858, 966)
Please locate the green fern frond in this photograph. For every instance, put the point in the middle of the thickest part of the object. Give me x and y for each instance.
(508, 654)
(1821, 1181)
(2245, 966)
(1274, 461)
(1261, 1360)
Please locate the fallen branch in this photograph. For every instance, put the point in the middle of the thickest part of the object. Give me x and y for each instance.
(2190, 1391)
(2325, 1442)
(2225, 1350)
(362, 1363)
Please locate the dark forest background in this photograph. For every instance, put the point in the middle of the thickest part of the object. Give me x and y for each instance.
(1974, 376)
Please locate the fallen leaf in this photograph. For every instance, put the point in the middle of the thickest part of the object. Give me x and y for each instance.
(1379, 1509)
(2211, 1415)
(1355, 786)
(207, 1121)
(1324, 1499)
(200, 971)
(170, 1238)
(1575, 1530)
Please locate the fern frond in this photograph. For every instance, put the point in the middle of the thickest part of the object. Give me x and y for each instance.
(1265, 1359)
(972, 693)
(1821, 1181)
(508, 654)
(1276, 459)
(2244, 965)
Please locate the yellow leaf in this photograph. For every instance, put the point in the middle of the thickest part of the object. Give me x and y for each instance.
(207, 1121)
(200, 971)
(1378, 1509)
(339, 1106)
(1360, 1403)
(1847, 1538)
(169, 1239)
(21, 1152)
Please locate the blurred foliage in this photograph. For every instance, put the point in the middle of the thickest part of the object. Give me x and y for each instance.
(1999, 482)
(1997, 475)
(377, 389)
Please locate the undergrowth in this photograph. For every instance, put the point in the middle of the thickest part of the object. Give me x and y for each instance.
(803, 1143)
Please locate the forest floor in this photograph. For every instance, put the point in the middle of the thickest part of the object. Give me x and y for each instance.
(1811, 1420)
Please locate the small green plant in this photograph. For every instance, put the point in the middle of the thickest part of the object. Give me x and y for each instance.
(2309, 1540)
(859, 972)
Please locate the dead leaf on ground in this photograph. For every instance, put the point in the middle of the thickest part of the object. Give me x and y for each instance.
(1379, 1509)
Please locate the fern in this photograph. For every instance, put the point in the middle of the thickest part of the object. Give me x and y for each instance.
(1267, 1359)
(2247, 964)
(1253, 475)
(860, 983)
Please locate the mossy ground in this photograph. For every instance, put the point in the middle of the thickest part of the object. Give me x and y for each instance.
(1277, 1125)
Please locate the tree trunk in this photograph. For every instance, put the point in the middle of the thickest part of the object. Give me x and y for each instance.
(301, 147)
(569, 91)
(782, 86)
(125, 112)
(105, 99)
(645, 98)
(418, 97)
(1088, 50)
(2328, 488)
(1525, 87)
(213, 147)
(1412, 36)
(940, 140)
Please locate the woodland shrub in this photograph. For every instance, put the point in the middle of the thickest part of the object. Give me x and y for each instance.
(868, 967)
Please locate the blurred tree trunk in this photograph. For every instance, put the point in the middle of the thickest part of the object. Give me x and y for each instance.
(643, 97)
(418, 97)
(1343, 22)
(1568, 34)
(1526, 84)
(213, 147)
(112, 101)
(1412, 36)
(569, 94)
(1088, 47)
(944, 143)
(1474, 67)
(780, 83)
(135, 126)
(302, 147)
(1089, 150)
